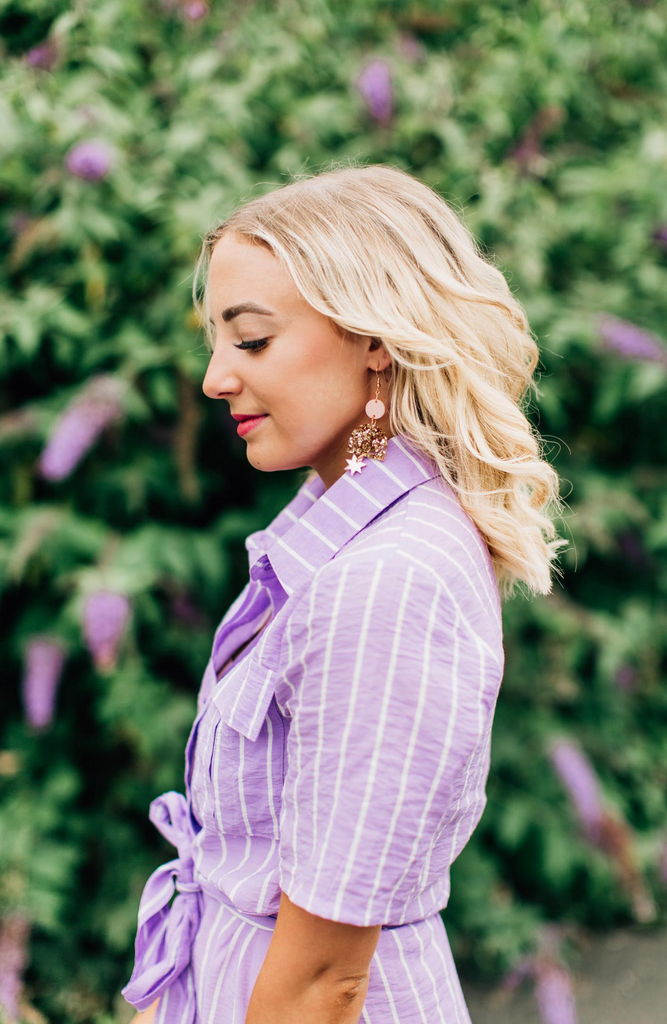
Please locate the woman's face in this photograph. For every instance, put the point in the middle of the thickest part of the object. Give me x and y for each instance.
(310, 383)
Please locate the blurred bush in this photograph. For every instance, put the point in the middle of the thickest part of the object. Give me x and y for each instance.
(128, 129)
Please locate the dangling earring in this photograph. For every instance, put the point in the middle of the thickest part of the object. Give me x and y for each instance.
(368, 439)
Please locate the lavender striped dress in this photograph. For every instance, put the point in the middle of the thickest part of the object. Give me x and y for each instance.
(341, 758)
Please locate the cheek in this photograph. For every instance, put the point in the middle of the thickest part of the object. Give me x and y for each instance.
(302, 386)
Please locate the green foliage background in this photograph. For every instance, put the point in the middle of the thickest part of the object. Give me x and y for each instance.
(201, 114)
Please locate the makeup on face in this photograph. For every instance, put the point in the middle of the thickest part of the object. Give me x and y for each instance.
(245, 426)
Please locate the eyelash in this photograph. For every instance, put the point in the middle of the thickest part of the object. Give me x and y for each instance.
(253, 346)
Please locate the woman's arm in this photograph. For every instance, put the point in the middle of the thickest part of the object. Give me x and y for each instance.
(314, 970)
(147, 1016)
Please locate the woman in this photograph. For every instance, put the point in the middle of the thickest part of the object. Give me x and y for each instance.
(337, 764)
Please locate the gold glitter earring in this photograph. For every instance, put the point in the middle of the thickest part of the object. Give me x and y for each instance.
(368, 439)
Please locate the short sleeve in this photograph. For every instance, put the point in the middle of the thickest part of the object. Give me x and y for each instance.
(387, 752)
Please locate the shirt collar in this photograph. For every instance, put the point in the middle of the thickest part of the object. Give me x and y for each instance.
(316, 524)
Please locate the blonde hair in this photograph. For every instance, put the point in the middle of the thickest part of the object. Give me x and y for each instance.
(384, 256)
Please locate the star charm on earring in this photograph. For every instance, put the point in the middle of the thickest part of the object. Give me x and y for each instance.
(355, 464)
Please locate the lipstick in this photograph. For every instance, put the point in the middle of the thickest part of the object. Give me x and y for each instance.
(245, 426)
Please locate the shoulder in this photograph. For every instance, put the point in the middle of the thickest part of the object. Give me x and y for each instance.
(419, 568)
(426, 535)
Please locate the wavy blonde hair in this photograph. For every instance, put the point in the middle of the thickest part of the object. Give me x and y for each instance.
(384, 256)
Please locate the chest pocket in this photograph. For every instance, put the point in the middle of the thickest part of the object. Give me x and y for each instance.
(244, 751)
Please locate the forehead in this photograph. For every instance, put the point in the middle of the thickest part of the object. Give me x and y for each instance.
(242, 271)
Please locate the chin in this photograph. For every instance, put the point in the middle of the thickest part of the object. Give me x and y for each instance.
(264, 463)
(267, 462)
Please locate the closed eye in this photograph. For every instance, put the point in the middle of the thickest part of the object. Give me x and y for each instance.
(253, 346)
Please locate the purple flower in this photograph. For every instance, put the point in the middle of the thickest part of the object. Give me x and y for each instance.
(44, 659)
(410, 47)
(375, 85)
(582, 785)
(630, 341)
(184, 609)
(86, 114)
(14, 931)
(523, 969)
(553, 994)
(662, 865)
(660, 235)
(44, 55)
(104, 616)
(19, 221)
(618, 842)
(528, 151)
(196, 10)
(90, 160)
(632, 548)
(626, 677)
(78, 428)
(553, 990)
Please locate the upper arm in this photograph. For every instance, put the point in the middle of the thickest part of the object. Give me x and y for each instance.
(317, 946)
(387, 748)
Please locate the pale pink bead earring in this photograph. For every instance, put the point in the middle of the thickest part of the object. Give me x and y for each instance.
(368, 439)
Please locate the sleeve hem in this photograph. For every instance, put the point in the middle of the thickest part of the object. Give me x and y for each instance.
(324, 908)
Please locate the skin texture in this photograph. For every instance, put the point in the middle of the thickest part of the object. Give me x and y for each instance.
(148, 1016)
(314, 383)
(314, 970)
(312, 380)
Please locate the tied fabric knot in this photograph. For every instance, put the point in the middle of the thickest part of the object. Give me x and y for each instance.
(165, 934)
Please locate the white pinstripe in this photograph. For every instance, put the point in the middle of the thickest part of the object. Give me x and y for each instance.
(412, 742)
(323, 700)
(221, 976)
(451, 720)
(413, 988)
(355, 687)
(375, 757)
(428, 970)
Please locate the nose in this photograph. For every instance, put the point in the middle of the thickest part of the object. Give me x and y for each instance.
(220, 381)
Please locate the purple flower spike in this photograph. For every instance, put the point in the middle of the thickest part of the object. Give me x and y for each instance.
(626, 677)
(76, 431)
(662, 865)
(660, 235)
(14, 931)
(44, 55)
(630, 341)
(582, 785)
(19, 221)
(186, 611)
(523, 969)
(410, 47)
(375, 85)
(89, 160)
(196, 10)
(104, 616)
(44, 659)
(554, 996)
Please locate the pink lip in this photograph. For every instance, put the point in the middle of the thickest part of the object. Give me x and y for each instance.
(247, 425)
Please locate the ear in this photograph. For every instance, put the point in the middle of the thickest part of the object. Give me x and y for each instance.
(378, 357)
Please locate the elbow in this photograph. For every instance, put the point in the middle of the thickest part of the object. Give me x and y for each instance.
(349, 991)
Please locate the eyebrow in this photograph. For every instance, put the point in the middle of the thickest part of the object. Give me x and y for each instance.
(244, 307)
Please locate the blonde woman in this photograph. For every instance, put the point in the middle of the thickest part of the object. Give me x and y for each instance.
(337, 763)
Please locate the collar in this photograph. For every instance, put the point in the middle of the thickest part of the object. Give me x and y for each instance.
(316, 524)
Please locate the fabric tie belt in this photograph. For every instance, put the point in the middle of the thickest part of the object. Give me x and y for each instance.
(165, 934)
